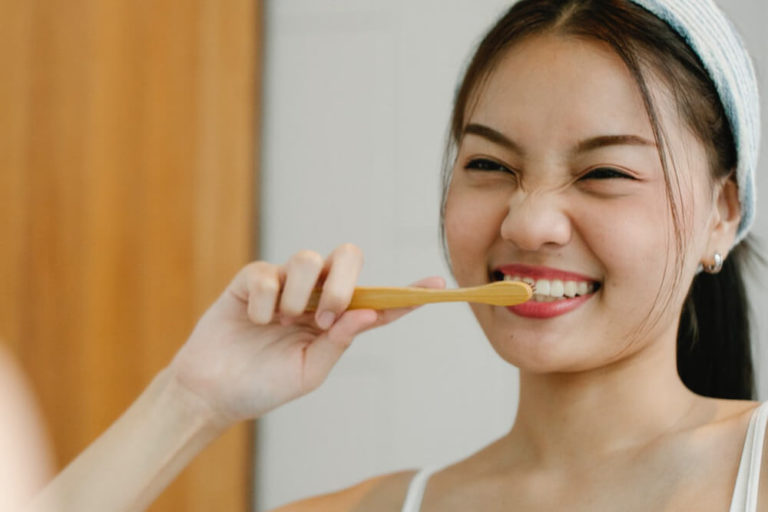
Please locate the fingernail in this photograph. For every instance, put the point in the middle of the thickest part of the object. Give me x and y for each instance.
(325, 319)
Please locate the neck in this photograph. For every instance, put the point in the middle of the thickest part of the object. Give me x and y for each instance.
(577, 416)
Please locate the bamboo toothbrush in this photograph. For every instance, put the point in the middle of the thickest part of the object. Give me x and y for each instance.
(501, 293)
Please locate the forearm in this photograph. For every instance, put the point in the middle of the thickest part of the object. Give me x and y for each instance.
(137, 457)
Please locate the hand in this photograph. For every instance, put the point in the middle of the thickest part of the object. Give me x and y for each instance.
(256, 349)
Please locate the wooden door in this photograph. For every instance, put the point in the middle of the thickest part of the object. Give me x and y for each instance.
(127, 183)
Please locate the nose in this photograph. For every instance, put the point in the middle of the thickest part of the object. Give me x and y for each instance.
(536, 222)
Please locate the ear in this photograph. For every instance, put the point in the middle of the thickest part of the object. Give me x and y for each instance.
(725, 218)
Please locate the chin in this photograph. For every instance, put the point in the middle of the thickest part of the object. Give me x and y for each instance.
(540, 352)
(535, 353)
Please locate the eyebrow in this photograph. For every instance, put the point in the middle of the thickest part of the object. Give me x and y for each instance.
(583, 146)
(492, 135)
(612, 140)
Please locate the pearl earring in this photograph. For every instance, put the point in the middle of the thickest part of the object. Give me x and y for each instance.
(715, 267)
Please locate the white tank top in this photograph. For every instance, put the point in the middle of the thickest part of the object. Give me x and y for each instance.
(744, 493)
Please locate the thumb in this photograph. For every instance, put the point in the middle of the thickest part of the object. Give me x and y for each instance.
(326, 350)
(323, 353)
(430, 282)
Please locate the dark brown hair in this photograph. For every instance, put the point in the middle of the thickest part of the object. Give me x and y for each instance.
(714, 356)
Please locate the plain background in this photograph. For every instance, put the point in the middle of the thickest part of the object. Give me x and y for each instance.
(357, 99)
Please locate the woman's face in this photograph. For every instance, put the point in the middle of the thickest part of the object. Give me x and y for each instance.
(558, 180)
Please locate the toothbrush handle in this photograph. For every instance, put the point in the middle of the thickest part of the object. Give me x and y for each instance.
(506, 293)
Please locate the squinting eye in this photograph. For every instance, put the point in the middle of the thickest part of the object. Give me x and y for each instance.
(483, 164)
(604, 173)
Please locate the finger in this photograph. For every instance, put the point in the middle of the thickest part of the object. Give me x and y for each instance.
(256, 286)
(437, 282)
(301, 274)
(262, 281)
(326, 350)
(344, 267)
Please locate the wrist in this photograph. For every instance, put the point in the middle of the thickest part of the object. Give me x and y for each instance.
(188, 404)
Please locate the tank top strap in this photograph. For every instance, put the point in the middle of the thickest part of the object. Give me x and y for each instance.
(416, 488)
(748, 478)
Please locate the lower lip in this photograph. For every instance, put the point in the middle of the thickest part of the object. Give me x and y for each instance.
(532, 309)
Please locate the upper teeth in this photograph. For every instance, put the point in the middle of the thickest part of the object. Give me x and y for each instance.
(554, 288)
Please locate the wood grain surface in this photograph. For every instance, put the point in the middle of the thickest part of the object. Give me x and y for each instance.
(128, 150)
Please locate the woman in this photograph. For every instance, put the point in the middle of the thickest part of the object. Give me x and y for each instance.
(601, 149)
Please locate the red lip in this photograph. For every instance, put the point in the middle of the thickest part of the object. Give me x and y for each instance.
(536, 272)
(532, 309)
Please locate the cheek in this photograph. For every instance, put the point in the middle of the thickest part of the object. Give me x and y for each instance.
(633, 239)
(471, 227)
(637, 249)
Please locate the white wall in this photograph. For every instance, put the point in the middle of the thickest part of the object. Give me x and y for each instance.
(358, 94)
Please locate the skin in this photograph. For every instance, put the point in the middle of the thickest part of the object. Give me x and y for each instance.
(25, 465)
(604, 422)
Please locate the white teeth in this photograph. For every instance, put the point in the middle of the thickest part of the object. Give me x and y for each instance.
(557, 289)
(549, 290)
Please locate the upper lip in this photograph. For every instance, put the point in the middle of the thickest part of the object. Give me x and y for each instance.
(539, 272)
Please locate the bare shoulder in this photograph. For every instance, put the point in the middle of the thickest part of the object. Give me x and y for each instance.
(384, 493)
(724, 412)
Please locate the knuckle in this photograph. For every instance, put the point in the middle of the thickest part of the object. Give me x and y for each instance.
(259, 271)
(306, 258)
(264, 285)
(262, 279)
(258, 267)
(351, 250)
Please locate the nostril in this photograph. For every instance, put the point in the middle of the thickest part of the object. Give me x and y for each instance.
(536, 223)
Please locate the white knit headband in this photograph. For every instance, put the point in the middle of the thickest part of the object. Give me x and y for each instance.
(714, 39)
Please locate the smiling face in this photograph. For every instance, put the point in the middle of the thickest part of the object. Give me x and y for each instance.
(558, 180)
